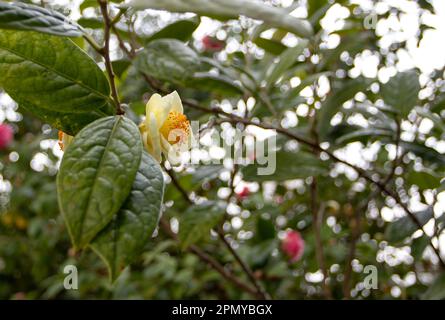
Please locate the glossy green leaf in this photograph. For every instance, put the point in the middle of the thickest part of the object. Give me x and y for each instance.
(401, 91)
(196, 222)
(168, 59)
(22, 16)
(347, 90)
(96, 175)
(286, 60)
(54, 79)
(124, 238)
(404, 227)
(231, 9)
(287, 166)
(181, 30)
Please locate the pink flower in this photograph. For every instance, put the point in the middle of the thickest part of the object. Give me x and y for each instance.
(212, 44)
(243, 194)
(293, 245)
(6, 135)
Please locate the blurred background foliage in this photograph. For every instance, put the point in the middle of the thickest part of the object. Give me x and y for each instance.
(333, 88)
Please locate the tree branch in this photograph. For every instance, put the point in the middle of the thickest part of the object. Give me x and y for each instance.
(212, 262)
(259, 292)
(105, 52)
(259, 288)
(317, 219)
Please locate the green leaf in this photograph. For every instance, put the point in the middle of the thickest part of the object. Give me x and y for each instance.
(54, 79)
(196, 222)
(438, 104)
(287, 166)
(215, 84)
(96, 175)
(437, 290)
(181, 30)
(315, 5)
(88, 4)
(347, 90)
(418, 246)
(436, 119)
(231, 9)
(21, 16)
(405, 227)
(401, 91)
(286, 60)
(92, 23)
(265, 229)
(272, 46)
(168, 59)
(120, 66)
(124, 238)
(426, 153)
(363, 135)
(424, 179)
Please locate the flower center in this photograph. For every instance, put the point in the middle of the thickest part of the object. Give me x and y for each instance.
(176, 128)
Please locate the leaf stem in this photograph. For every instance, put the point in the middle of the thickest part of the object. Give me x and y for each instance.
(92, 42)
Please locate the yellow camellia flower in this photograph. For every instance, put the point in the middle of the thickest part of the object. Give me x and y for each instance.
(165, 129)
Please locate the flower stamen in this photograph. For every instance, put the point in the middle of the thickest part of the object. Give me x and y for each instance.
(179, 123)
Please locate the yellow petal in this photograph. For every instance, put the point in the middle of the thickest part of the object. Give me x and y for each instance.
(175, 102)
(154, 138)
(160, 107)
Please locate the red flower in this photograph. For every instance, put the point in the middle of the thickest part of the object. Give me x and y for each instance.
(6, 135)
(293, 245)
(212, 44)
(243, 194)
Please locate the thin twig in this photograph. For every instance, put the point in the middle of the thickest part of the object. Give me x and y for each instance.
(355, 233)
(317, 215)
(212, 262)
(105, 51)
(178, 186)
(317, 219)
(260, 292)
